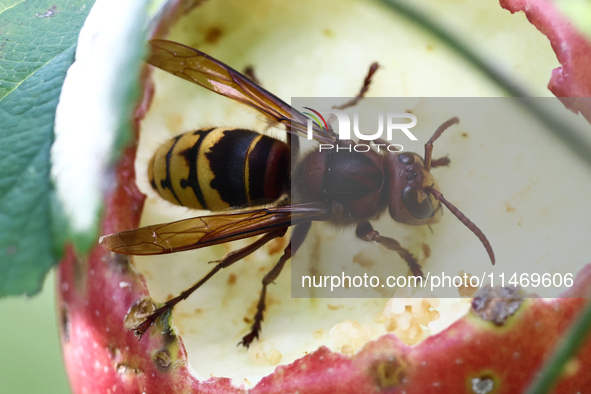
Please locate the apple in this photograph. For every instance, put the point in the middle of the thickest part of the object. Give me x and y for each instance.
(312, 345)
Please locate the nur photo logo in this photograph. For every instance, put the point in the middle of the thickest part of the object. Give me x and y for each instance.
(393, 123)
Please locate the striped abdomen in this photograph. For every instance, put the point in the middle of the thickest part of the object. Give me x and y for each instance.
(220, 168)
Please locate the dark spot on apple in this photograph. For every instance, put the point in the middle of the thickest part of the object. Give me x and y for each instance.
(138, 313)
(482, 385)
(162, 359)
(114, 352)
(124, 369)
(120, 263)
(426, 250)
(213, 35)
(387, 373)
(65, 322)
(497, 304)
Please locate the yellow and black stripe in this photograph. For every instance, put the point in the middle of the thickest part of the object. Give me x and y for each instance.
(219, 168)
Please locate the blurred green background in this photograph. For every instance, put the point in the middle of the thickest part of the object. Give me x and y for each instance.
(30, 355)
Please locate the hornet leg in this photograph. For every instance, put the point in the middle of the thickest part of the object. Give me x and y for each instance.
(364, 88)
(365, 232)
(225, 262)
(297, 238)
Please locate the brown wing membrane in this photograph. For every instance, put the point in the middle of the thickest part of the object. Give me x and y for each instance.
(210, 230)
(197, 67)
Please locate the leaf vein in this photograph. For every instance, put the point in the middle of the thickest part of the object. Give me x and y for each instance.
(17, 84)
(12, 6)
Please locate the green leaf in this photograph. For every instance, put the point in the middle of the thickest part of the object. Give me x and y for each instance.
(37, 45)
(33, 33)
